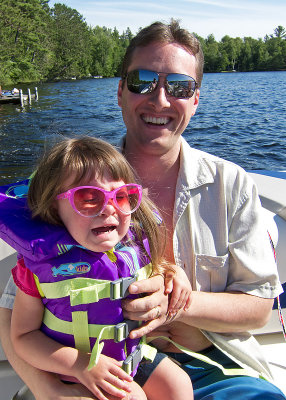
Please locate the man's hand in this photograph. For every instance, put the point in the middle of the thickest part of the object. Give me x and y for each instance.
(151, 308)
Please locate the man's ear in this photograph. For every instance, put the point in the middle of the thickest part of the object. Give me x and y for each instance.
(119, 93)
(196, 101)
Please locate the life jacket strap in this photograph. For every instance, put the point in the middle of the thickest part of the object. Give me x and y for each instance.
(143, 350)
(80, 331)
(117, 332)
(87, 290)
(202, 357)
(119, 288)
(121, 332)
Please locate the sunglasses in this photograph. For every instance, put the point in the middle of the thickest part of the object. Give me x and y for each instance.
(143, 81)
(90, 201)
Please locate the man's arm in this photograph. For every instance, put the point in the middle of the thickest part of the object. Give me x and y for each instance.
(217, 312)
(226, 312)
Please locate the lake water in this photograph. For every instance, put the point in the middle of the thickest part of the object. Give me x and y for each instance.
(241, 117)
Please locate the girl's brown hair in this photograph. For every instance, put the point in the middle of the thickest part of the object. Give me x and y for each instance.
(83, 157)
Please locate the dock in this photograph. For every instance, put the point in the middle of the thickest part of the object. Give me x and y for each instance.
(19, 98)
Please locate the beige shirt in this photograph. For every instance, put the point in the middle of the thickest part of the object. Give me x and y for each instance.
(222, 242)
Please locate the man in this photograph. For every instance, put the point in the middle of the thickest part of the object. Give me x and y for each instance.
(211, 213)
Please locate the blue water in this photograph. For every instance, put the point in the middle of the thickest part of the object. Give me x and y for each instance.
(241, 117)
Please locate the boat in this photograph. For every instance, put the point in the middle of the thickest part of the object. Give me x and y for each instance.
(272, 191)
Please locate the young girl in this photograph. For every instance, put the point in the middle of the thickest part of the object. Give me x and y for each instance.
(75, 271)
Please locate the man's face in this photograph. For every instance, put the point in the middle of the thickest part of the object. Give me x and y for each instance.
(155, 121)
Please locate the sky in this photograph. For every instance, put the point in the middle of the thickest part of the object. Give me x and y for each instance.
(236, 18)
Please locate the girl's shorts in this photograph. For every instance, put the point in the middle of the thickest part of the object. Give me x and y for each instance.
(209, 382)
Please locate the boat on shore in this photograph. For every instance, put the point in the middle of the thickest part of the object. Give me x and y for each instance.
(272, 190)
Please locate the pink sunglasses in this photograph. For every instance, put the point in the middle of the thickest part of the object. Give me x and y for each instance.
(90, 201)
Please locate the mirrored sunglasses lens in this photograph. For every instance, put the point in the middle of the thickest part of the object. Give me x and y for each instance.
(127, 198)
(142, 81)
(89, 201)
(181, 86)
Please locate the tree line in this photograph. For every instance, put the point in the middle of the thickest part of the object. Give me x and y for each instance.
(39, 43)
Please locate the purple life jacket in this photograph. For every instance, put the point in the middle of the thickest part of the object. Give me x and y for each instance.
(81, 289)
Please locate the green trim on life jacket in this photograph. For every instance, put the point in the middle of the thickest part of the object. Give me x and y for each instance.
(82, 331)
(88, 290)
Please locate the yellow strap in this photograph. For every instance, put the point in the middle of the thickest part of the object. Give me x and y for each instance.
(144, 272)
(110, 254)
(90, 294)
(80, 331)
(201, 357)
(55, 290)
(84, 290)
(143, 350)
(97, 349)
(148, 352)
(59, 325)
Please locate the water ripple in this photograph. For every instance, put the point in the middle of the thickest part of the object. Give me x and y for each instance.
(241, 117)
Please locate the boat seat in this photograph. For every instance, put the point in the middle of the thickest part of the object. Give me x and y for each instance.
(270, 190)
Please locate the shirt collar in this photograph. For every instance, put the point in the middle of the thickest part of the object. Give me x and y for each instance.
(195, 168)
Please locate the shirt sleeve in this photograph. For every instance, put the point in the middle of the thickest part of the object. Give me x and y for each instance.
(24, 279)
(8, 296)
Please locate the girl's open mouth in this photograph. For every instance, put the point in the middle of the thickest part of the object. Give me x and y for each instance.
(103, 229)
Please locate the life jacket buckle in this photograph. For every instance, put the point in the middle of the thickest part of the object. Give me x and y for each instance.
(122, 330)
(119, 288)
(133, 360)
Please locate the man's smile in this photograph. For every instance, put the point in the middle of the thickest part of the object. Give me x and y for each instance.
(156, 120)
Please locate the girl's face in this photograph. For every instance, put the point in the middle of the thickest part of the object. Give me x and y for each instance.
(100, 233)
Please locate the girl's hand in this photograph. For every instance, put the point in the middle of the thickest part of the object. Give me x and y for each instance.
(107, 376)
(180, 289)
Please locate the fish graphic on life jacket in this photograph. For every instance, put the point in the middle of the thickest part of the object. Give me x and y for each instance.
(71, 269)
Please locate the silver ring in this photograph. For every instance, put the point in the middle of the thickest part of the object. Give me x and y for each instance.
(170, 317)
(158, 312)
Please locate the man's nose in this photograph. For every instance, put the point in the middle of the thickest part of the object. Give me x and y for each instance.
(159, 96)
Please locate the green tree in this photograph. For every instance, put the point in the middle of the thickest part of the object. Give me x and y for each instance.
(212, 54)
(37, 42)
(246, 55)
(231, 47)
(23, 34)
(261, 56)
(71, 38)
(108, 48)
(102, 52)
(276, 47)
(280, 32)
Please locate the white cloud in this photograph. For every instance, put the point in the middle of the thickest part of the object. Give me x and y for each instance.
(254, 18)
